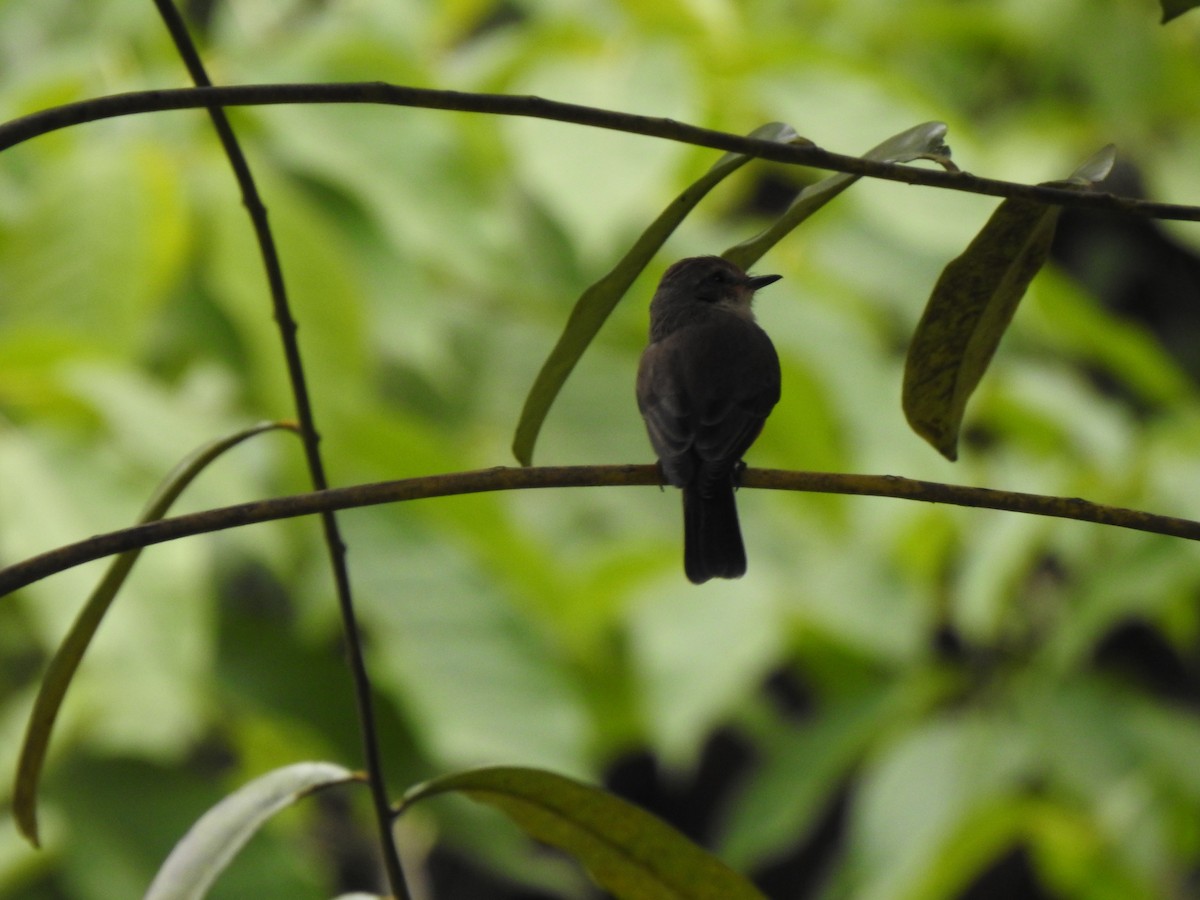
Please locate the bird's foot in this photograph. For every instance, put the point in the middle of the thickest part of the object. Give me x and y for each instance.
(738, 469)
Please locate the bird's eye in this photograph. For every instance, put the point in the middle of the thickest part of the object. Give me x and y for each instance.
(716, 277)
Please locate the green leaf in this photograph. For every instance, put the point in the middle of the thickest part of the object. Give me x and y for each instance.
(596, 303)
(916, 795)
(971, 305)
(1175, 8)
(1074, 323)
(782, 804)
(694, 658)
(70, 270)
(70, 653)
(209, 846)
(630, 853)
(472, 650)
(926, 141)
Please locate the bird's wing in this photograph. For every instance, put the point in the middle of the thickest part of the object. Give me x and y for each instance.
(666, 409)
(705, 393)
(734, 386)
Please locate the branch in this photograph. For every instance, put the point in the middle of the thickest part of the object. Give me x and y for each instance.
(18, 130)
(35, 568)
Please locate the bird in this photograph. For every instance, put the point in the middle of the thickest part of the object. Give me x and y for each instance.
(706, 383)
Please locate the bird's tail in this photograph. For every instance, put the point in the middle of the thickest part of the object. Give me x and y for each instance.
(712, 539)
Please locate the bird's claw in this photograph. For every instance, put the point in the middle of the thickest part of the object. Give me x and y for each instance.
(738, 469)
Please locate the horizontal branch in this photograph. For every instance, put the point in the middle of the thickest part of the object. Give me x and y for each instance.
(35, 568)
(804, 154)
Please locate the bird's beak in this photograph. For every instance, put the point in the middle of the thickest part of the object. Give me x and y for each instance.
(761, 281)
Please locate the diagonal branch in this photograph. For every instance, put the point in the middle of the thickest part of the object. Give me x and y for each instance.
(16, 131)
(35, 568)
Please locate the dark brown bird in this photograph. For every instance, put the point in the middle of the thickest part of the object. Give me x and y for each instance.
(705, 386)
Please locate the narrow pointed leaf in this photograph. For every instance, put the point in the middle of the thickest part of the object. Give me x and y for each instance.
(925, 141)
(596, 303)
(70, 653)
(630, 853)
(212, 843)
(971, 306)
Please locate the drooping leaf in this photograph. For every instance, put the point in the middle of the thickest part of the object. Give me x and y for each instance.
(70, 653)
(210, 844)
(926, 141)
(972, 304)
(596, 303)
(630, 853)
(1175, 8)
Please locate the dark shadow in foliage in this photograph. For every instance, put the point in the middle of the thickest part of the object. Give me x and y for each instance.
(1136, 651)
(1136, 269)
(801, 873)
(454, 875)
(694, 805)
(1010, 876)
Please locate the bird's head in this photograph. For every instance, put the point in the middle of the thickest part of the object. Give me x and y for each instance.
(711, 279)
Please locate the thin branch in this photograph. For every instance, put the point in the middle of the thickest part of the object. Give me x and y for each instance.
(802, 154)
(35, 568)
(257, 210)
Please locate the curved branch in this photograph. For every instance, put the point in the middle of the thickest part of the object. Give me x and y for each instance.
(802, 154)
(35, 568)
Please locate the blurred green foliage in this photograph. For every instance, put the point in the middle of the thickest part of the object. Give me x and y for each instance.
(949, 659)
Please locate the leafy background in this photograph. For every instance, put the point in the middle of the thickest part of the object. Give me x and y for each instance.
(897, 701)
